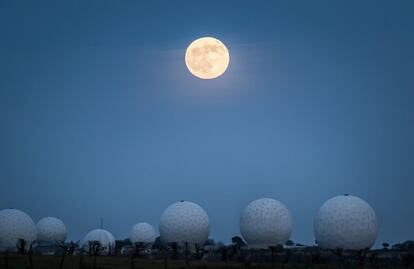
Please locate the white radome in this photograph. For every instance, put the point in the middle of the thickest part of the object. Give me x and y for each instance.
(142, 233)
(51, 231)
(15, 225)
(265, 222)
(184, 222)
(346, 222)
(106, 239)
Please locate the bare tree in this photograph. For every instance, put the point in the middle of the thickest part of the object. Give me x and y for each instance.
(67, 250)
(6, 259)
(62, 259)
(174, 248)
(199, 251)
(313, 256)
(361, 255)
(274, 250)
(72, 246)
(243, 255)
(95, 249)
(340, 253)
(224, 252)
(31, 254)
(187, 255)
(22, 246)
(286, 258)
(166, 252)
(81, 258)
(139, 247)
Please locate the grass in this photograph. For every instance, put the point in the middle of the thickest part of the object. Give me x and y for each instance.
(72, 262)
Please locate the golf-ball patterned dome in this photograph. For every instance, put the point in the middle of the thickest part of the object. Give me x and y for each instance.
(265, 222)
(142, 233)
(106, 239)
(15, 225)
(184, 222)
(51, 231)
(345, 222)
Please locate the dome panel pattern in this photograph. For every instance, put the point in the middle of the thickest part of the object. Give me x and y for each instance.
(51, 231)
(15, 225)
(265, 222)
(184, 222)
(142, 233)
(346, 222)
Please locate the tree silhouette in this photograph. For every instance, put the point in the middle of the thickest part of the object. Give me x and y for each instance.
(224, 252)
(238, 241)
(139, 247)
(174, 248)
(274, 250)
(6, 259)
(286, 258)
(290, 243)
(67, 250)
(340, 253)
(31, 254)
(21, 246)
(373, 260)
(361, 254)
(95, 249)
(166, 252)
(187, 259)
(313, 255)
(199, 251)
(237, 245)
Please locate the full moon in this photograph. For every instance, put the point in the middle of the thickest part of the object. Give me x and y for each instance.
(207, 58)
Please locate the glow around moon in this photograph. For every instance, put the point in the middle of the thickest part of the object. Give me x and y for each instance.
(207, 58)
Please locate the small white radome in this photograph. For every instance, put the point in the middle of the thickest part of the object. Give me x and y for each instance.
(184, 222)
(105, 238)
(51, 231)
(142, 233)
(265, 222)
(346, 222)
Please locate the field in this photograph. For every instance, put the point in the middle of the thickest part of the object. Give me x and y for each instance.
(73, 262)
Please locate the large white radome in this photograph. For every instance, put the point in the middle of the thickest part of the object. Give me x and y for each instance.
(15, 225)
(265, 222)
(184, 222)
(142, 233)
(106, 239)
(345, 222)
(51, 231)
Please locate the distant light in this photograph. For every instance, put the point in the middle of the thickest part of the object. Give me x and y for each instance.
(207, 58)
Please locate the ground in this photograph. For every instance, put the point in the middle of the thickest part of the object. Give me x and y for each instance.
(73, 262)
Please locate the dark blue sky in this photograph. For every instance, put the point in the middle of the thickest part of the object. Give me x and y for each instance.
(100, 117)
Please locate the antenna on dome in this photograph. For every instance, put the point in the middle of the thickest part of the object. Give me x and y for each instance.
(101, 223)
